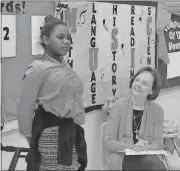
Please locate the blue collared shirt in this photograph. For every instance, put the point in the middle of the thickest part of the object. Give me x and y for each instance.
(53, 85)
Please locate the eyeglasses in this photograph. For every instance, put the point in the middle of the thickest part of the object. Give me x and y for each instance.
(143, 83)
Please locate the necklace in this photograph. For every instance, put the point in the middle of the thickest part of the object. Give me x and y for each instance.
(136, 125)
(138, 115)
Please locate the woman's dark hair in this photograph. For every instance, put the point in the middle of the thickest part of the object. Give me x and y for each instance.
(50, 23)
(156, 83)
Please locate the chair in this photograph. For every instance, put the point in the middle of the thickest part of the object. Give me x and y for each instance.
(17, 154)
(172, 138)
(103, 151)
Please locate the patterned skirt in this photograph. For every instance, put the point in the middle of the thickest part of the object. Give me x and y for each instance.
(48, 147)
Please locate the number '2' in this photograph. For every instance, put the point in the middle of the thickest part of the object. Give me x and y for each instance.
(6, 37)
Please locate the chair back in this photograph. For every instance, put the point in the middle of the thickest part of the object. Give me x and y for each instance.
(103, 150)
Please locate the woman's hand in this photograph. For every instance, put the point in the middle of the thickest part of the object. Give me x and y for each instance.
(138, 148)
(141, 145)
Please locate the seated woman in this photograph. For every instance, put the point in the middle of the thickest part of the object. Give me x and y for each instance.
(136, 122)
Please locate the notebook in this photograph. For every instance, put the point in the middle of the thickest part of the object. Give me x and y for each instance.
(153, 152)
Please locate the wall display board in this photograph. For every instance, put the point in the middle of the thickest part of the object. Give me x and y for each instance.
(109, 43)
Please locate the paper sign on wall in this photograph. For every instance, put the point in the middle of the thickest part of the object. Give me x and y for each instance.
(8, 35)
(36, 24)
(172, 37)
(173, 69)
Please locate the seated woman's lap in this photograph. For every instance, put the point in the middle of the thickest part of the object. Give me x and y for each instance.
(148, 162)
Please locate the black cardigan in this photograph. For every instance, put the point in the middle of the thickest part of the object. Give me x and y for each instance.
(69, 133)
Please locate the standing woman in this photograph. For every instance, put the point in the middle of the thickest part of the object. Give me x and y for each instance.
(54, 133)
(136, 122)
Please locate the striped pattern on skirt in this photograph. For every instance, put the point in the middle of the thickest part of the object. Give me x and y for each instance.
(48, 147)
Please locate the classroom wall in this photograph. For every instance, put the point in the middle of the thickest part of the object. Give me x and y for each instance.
(13, 68)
